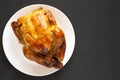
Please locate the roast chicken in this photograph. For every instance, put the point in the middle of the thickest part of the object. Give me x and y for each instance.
(42, 39)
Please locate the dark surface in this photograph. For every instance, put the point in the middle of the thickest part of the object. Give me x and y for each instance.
(97, 50)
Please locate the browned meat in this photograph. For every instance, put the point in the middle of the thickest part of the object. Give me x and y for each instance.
(43, 41)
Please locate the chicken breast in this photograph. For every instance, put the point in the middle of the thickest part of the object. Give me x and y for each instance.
(42, 39)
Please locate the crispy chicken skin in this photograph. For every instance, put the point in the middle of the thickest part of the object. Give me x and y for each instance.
(43, 41)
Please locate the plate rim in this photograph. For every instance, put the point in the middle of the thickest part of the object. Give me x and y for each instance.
(27, 7)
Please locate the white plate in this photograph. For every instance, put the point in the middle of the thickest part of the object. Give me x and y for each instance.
(13, 49)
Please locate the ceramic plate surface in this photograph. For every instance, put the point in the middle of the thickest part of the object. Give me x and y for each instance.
(13, 49)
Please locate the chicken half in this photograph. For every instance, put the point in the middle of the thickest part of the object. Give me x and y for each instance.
(43, 41)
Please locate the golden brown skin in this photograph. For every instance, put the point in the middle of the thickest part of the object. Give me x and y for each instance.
(43, 41)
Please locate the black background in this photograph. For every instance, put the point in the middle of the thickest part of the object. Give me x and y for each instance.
(97, 50)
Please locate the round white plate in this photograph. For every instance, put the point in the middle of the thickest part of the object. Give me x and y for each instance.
(13, 49)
